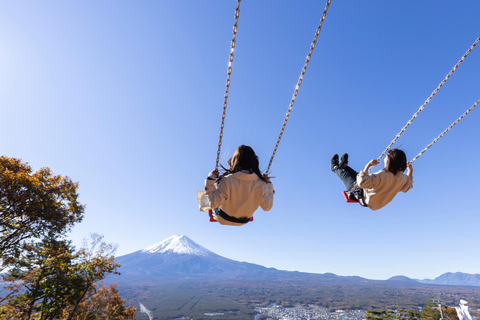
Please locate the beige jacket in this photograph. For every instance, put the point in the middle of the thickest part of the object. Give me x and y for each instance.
(239, 195)
(381, 187)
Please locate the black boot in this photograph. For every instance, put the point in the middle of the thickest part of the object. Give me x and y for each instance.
(334, 162)
(343, 161)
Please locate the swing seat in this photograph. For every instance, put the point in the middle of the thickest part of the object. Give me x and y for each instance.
(212, 219)
(210, 214)
(351, 198)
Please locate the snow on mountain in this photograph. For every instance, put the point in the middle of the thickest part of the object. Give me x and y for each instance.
(179, 257)
(178, 244)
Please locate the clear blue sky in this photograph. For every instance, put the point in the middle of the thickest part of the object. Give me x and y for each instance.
(126, 97)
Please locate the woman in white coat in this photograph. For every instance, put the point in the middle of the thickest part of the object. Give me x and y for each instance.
(236, 194)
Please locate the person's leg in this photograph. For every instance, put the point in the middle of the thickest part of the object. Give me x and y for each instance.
(348, 177)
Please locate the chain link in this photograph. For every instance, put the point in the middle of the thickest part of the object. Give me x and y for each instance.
(227, 85)
(443, 133)
(299, 83)
(429, 98)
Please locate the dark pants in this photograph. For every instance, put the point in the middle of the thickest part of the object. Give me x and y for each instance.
(348, 177)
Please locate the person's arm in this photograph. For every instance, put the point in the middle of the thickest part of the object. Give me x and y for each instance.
(216, 196)
(372, 163)
(267, 200)
(409, 169)
(409, 184)
(365, 180)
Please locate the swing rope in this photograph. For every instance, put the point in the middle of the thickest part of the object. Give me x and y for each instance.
(428, 100)
(300, 79)
(227, 86)
(443, 133)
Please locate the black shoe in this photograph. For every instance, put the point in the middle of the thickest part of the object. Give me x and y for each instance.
(343, 161)
(334, 162)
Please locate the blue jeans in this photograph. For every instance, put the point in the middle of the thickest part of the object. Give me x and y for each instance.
(348, 177)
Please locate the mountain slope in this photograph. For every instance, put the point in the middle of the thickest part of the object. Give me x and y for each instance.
(402, 279)
(455, 279)
(179, 256)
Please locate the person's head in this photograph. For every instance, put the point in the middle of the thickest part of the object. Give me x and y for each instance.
(395, 161)
(244, 158)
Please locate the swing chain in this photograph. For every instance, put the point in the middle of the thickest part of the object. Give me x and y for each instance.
(443, 133)
(227, 85)
(299, 83)
(429, 98)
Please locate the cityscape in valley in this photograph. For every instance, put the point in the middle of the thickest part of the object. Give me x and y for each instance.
(179, 279)
(310, 312)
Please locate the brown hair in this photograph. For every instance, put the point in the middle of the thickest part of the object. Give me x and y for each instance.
(244, 158)
(396, 161)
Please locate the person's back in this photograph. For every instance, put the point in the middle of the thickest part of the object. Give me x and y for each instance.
(238, 193)
(381, 187)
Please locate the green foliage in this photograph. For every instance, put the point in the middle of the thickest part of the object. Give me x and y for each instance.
(400, 314)
(430, 311)
(54, 277)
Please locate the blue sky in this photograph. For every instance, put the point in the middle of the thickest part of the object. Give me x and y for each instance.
(126, 98)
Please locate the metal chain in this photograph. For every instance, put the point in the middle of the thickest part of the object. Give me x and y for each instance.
(429, 98)
(300, 79)
(227, 86)
(443, 133)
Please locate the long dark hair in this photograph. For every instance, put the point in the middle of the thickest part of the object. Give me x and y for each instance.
(244, 158)
(396, 161)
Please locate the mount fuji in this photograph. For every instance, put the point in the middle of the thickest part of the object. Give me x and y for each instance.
(179, 257)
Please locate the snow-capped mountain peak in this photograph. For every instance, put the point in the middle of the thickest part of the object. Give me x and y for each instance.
(178, 244)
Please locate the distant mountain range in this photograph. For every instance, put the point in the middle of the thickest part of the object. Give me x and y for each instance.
(180, 257)
(449, 279)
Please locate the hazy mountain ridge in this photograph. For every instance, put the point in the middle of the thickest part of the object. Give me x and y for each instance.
(455, 279)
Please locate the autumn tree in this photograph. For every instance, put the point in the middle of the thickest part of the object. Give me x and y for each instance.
(449, 313)
(51, 277)
(33, 205)
(431, 311)
(47, 278)
(45, 281)
(101, 303)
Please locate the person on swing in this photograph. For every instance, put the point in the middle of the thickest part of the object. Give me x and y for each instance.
(237, 193)
(378, 188)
